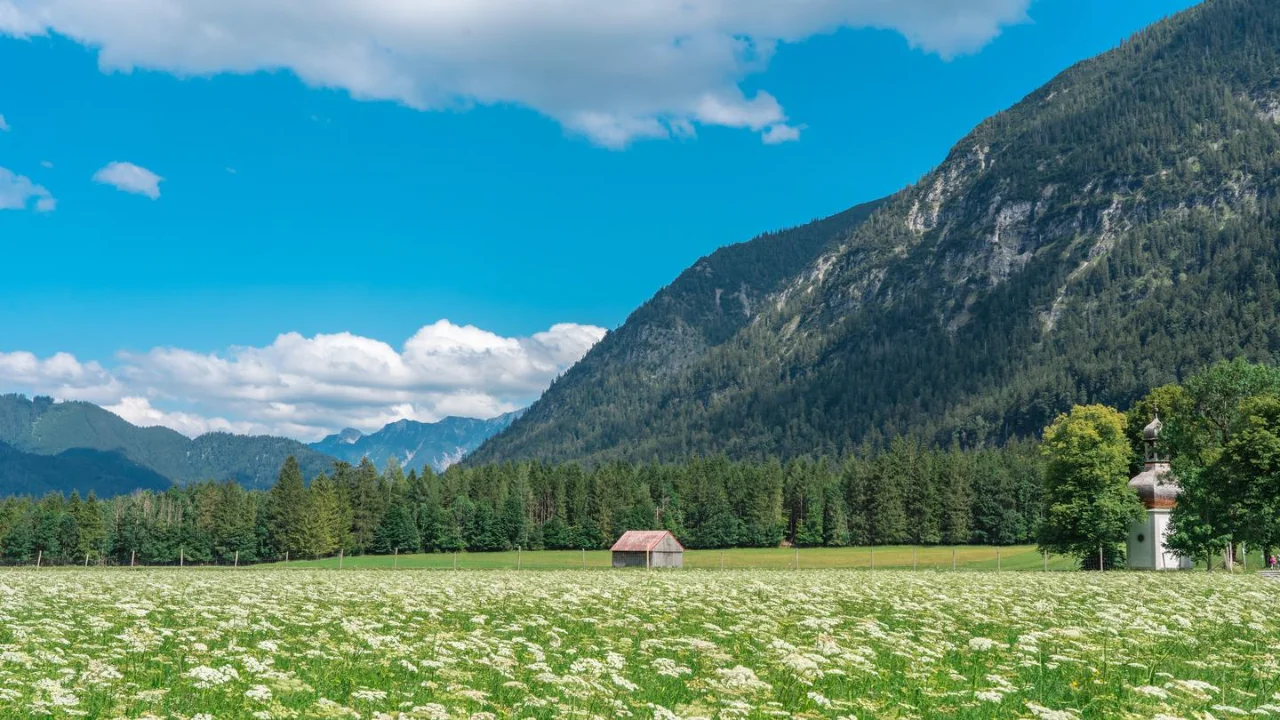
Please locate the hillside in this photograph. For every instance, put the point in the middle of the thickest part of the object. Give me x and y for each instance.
(41, 426)
(1113, 231)
(104, 473)
(415, 445)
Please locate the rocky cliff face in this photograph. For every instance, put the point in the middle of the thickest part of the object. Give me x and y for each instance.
(1112, 231)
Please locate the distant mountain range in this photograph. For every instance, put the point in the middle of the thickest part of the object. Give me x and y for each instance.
(62, 446)
(1114, 231)
(416, 445)
(48, 446)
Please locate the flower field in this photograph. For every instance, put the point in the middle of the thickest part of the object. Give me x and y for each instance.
(221, 645)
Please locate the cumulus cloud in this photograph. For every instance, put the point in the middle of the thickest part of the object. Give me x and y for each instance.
(130, 178)
(613, 71)
(307, 387)
(17, 192)
(139, 411)
(60, 375)
(4, 126)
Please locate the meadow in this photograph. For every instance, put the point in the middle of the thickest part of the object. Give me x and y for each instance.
(966, 557)
(218, 644)
(901, 557)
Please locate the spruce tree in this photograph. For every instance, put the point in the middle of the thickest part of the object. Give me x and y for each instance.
(397, 531)
(321, 523)
(287, 509)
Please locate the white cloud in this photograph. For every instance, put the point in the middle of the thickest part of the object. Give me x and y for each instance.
(612, 70)
(307, 387)
(138, 410)
(4, 126)
(46, 164)
(60, 375)
(18, 191)
(781, 133)
(130, 178)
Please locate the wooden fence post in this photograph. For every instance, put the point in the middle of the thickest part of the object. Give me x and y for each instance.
(584, 558)
(237, 561)
(519, 557)
(455, 559)
(953, 558)
(286, 557)
(39, 557)
(86, 559)
(133, 554)
(1046, 561)
(1101, 563)
(182, 557)
(997, 558)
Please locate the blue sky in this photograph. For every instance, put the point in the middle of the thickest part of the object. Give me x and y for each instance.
(511, 181)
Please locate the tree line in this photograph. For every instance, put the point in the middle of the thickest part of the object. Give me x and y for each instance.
(906, 492)
(1221, 433)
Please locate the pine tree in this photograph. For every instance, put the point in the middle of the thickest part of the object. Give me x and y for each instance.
(367, 504)
(288, 507)
(957, 498)
(886, 509)
(91, 528)
(321, 523)
(397, 531)
(853, 479)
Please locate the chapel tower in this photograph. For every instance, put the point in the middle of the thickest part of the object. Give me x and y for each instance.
(1159, 493)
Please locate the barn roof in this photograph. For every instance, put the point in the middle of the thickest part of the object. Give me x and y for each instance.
(642, 540)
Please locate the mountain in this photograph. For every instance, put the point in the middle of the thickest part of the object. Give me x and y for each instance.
(40, 426)
(1113, 231)
(416, 445)
(104, 473)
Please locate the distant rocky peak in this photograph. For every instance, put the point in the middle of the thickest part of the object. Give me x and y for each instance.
(350, 436)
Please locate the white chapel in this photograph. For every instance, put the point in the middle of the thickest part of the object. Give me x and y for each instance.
(1159, 493)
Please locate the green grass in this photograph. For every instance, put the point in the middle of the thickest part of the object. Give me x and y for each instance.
(966, 557)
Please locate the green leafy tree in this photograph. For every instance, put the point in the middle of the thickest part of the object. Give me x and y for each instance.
(1089, 506)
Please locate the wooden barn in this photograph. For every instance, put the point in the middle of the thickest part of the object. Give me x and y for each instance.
(648, 549)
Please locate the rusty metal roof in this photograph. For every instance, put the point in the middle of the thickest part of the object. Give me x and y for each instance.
(642, 540)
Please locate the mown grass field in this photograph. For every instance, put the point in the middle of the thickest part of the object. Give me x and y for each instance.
(903, 557)
(260, 644)
(966, 557)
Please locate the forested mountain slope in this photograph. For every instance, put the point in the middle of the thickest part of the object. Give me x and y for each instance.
(104, 473)
(1115, 230)
(41, 426)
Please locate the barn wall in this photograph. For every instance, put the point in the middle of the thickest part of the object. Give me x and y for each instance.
(628, 559)
(668, 559)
